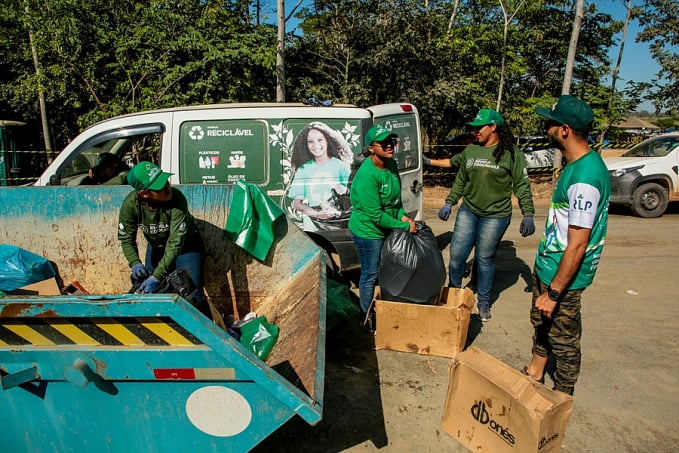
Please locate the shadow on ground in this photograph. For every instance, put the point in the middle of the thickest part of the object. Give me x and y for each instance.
(352, 403)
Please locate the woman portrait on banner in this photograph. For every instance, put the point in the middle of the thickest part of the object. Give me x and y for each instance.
(320, 162)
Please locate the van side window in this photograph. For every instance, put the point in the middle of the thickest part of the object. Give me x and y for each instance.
(406, 153)
(129, 145)
(223, 151)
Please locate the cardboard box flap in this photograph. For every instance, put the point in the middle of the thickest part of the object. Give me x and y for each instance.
(460, 299)
(533, 396)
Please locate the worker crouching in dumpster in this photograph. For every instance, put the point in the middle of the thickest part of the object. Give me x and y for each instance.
(162, 214)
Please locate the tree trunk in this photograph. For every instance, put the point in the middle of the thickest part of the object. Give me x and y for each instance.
(568, 74)
(614, 76)
(572, 48)
(41, 99)
(280, 54)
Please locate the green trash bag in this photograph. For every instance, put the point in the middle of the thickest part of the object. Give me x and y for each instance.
(259, 336)
(339, 303)
(251, 223)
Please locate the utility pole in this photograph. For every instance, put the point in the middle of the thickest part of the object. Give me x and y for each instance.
(280, 53)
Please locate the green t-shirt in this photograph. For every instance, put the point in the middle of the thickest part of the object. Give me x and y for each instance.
(376, 200)
(118, 180)
(171, 226)
(313, 183)
(486, 187)
(580, 198)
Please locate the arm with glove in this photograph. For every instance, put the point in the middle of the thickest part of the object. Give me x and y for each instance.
(455, 192)
(523, 193)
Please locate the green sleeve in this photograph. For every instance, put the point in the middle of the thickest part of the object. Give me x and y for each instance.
(521, 184)
(460, 181)
(457, 160)
(179, 225)
(128, 223)
(401, 211)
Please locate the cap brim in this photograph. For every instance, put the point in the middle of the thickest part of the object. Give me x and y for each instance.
(477, 123)
(384, 136)
(160, 181)
(545, 113)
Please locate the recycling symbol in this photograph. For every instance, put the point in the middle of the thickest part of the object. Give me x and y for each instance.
(196, 133)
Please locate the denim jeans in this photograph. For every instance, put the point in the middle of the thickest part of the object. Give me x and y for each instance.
(485, 234)
(192, 262)
(369, 252)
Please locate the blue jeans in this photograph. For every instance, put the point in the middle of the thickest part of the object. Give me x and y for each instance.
(485, 234)
(192, 262)
(369, 252)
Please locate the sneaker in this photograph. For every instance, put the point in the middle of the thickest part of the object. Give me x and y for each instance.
(484, 311)
(368, 322)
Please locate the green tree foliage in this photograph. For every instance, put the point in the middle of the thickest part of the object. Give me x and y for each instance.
(660, 22)
(102, 58)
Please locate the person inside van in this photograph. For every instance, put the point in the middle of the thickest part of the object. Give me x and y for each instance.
(110, 170)
(161, 212)
(321, 161)
(377, 209)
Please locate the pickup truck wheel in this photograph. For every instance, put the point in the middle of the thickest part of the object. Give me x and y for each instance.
(650, 200)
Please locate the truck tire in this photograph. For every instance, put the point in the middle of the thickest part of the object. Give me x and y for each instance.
(649, 200)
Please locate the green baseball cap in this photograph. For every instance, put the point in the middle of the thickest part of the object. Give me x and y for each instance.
(487, 116)
(147, 175)
(569, 110)
(377, 133)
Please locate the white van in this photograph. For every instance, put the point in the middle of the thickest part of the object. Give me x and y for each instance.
(645, 178)
(259, 143)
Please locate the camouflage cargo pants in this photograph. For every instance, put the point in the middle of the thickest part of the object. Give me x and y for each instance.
(559, 336)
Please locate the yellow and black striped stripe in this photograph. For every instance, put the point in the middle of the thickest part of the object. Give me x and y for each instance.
(121, 331)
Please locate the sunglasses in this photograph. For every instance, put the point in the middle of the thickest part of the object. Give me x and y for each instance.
(391, 141)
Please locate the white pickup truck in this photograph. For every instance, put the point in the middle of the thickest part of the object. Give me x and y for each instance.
(646, 178)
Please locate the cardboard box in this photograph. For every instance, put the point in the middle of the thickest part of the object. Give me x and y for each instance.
(439, 330)
(47, 287)
(492, 407)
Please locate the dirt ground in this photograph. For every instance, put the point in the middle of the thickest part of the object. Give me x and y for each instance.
(625, 401)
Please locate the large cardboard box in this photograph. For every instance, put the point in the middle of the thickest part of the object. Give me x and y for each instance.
(492, 407)
(47, 287)
(439, 330)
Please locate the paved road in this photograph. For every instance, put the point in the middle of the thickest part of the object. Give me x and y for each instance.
(627, 399)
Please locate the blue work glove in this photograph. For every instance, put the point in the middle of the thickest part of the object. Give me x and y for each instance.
(426, 160)
(150, 285)
(444, 212)
(527, 226)
(139, 272)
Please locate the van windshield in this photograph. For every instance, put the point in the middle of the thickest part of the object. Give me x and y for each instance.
(655, 147)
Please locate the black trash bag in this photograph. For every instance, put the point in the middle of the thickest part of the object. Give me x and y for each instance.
(178, 282)
(411, 267)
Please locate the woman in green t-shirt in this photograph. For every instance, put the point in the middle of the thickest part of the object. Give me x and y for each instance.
(377, 209)
(491, 169)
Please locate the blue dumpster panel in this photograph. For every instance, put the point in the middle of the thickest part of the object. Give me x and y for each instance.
(65, 390)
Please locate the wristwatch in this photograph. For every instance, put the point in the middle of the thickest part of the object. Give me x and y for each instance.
(553, 294)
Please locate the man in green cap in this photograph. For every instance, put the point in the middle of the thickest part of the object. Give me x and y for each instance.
(162, 213)
(571, 246)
